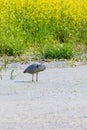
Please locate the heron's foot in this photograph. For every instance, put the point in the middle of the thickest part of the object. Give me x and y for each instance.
(36, 80)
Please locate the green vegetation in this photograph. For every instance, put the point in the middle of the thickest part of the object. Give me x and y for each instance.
(56, 29)
(58, 51)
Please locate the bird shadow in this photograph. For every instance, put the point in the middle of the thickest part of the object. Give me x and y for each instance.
(23, 81)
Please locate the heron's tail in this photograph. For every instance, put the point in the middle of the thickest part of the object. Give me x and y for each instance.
(24, 71)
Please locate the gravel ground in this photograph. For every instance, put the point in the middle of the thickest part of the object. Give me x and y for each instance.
(57, 102)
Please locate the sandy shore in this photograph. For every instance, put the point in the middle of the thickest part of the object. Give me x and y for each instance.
(57, 102)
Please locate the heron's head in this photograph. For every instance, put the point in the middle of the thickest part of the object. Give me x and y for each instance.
(41, 67)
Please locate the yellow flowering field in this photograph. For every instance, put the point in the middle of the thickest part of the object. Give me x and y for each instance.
(39, 22)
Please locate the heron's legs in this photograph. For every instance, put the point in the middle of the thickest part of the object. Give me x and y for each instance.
(32, 77)
(37, 76)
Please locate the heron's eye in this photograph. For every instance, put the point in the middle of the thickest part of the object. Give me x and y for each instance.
(37, 66)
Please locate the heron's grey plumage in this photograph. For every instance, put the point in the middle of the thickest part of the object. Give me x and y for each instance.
(35, 68)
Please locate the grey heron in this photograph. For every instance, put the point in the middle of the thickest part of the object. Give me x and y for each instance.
(35, 69)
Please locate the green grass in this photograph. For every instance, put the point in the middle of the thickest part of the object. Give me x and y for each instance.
(58, 51)
(20, 34)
